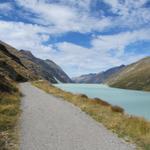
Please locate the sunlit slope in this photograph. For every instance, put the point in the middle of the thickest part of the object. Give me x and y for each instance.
(11, 65)
(135, 76)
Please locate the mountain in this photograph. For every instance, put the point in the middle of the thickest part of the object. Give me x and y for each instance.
(98, 77)
(11, 69)
(11, 65)
(22, 66)
(87, 78)
(45, 69)
(58, 72)
(134, 76)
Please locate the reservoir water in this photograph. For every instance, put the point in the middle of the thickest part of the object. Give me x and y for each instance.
(134, 102)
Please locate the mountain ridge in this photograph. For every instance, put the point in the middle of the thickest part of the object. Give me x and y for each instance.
(100, 77)
(134, 76)
(22, 65)
(46, 69)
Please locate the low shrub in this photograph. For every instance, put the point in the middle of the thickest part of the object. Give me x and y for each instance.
(117, 109)
(101, 102)
(82, 95)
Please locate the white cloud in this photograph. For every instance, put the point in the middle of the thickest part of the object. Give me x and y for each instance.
(25, 36)
(74, 15)
(106, 51)
(125, 7)
(131, 13)
(118, 42)
(98, 57)
(63, 18)
(4, 7)
(81, 4)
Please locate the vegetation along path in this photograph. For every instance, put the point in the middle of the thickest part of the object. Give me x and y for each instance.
(49, 123)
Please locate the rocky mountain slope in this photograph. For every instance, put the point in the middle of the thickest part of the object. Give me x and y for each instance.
(98, 77)
(46, 69)
(134, 76)
(23, 66)
(12, 67)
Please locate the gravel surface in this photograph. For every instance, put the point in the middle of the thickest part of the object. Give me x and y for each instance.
(49, 123)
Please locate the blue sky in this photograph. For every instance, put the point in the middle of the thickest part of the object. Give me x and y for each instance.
(82, 36)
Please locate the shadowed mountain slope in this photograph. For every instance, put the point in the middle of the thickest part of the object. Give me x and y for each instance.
(45, 69)
(23, 66)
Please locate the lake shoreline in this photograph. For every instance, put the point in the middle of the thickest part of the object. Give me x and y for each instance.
(134, 102)
(132, 129)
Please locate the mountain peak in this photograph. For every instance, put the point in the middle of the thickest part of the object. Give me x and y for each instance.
(26, 53)
(49, 61)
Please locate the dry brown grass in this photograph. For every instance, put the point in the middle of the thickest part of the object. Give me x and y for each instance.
(133, 129)
(9, 114)
(104, 103)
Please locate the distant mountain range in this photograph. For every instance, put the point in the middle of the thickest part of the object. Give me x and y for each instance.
(23, 66)
(134, 76)
(98, 77)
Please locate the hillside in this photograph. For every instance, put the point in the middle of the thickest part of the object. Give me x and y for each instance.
(19, 66)
(12, 67)
(134, 76)
(86, 78)
(98, 77)
(22, 66)
(45, 69)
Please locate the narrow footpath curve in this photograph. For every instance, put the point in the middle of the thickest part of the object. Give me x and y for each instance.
(49, 123)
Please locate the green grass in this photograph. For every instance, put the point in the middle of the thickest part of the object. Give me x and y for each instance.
(133, 129)
(9, 114)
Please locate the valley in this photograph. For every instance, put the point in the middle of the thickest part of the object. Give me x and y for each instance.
(19, 66)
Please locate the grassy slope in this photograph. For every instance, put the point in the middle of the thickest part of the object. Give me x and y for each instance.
(11, 65)
(11, 71)
(134, 129)
(9, 113)
(135, 76)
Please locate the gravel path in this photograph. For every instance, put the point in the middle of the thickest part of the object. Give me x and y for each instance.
(49, 123)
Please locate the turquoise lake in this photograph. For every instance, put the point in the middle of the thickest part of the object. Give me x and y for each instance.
(134, 102)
